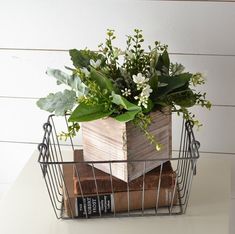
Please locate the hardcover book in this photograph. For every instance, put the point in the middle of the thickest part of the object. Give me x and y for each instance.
(119, 200)
(93, 205)
(86, 175)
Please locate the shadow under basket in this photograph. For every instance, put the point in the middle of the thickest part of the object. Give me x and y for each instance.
(79, 189)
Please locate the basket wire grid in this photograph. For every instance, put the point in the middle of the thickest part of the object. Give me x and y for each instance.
(51, 160)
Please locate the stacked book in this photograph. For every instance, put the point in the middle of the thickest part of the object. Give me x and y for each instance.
(89, 191)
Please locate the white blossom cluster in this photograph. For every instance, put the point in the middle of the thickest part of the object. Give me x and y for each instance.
(142, 84)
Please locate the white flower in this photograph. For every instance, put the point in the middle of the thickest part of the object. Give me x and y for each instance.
(145, 104)
(141, 83)
(85, 71)
(146, 91)
(95, 64)
(139, 78)
(126, 92)
(143, 101)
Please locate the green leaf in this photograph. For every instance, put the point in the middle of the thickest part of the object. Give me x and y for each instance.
(102, 81)
(81, 58)
(127, 116)
(84, 113)
(73, 81)
(166, 59)
(119, 100)
(58, 102)
(162, 103)
(153, 82)
(131, 108)
(163, 63)
(173, 83)
(184, 98)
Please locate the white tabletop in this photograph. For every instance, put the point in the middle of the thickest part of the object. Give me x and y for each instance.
(27, 209)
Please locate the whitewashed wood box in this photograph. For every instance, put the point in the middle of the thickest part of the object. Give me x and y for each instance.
(108, 139)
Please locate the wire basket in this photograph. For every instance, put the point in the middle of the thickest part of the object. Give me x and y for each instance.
(54, 156)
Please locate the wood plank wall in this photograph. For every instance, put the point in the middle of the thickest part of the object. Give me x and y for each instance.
(35, 35)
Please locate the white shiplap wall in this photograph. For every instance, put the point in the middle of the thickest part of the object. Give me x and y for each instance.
(37, 34)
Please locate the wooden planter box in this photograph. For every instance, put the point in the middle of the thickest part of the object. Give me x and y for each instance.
(108, 139)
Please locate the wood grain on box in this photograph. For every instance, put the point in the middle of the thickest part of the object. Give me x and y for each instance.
(108, 139)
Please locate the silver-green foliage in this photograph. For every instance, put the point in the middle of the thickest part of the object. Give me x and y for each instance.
(73, 81)
(59, 103)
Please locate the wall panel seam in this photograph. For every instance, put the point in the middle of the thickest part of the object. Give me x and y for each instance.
(36, 143)
(36, 98)
(66, 50)
(202, 1)
(14, 97)
(30, 143)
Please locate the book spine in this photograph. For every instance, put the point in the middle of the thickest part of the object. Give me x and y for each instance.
(93, 205)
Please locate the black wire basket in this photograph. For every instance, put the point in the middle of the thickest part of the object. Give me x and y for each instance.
(55, 158)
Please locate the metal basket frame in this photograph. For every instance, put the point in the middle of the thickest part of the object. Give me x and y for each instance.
(51, 161)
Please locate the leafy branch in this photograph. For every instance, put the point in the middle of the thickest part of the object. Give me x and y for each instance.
(100, 86)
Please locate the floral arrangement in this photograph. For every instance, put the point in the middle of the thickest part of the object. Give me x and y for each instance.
(125, 85)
